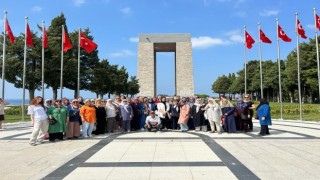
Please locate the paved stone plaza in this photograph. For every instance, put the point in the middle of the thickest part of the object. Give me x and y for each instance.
(290, 152)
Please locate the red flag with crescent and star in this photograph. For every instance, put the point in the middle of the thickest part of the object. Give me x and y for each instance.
(317, 21)
(87, 44)
(249, 40)
(282, 35)
(264, 38)
(9, 32)
(300, 30)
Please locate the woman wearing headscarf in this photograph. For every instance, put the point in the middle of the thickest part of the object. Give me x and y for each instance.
(101, 117)
(88, 117)
(214, 115)
(242, 114)
(197, 113)
(61, 115)
(136, 112)
(184, 116)
(163, 109)
(264, 116)
(73, 126)
(111, 111)
(227, 111)
(126, 114)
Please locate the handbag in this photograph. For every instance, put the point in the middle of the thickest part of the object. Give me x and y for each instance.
(52, 121)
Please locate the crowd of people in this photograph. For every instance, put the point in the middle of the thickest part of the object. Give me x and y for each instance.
(60, 119)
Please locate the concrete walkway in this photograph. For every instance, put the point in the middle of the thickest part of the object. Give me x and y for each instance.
(290, 152)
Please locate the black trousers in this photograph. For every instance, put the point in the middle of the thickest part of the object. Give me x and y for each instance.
(264, 130)
(53, 136)
(250, 123)
(157, 128)
(165, 122)
(174, 122)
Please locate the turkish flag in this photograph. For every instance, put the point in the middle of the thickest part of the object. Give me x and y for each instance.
(317, 21)
(87, 44)
(300, 30)
(282, 35)
(29, 37)
(45, 38)
(264, 38)
(66, 42)
(249, 40)
(9, 32)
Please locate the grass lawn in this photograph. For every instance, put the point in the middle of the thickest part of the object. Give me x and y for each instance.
(15, 118)
(310, 112)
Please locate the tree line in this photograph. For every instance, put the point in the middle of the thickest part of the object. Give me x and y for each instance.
(233, 83)
(97, 75)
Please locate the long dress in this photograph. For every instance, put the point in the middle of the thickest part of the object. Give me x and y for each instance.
(135, 120)
(184, 114)
(229, 123)
(214, 116)
(198, 115)
(101, 120)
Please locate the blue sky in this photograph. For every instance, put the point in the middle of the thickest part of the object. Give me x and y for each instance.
(216, 27)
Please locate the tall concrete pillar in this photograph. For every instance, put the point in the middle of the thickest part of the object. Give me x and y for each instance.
(146, 69)
(184, 69)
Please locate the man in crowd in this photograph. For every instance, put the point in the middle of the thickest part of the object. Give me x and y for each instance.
(153, 122)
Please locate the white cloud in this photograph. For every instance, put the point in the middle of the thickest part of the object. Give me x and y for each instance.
(235, 36)
(121, 54)
(36, 9)
(126, 10)
(267, 13)
(310, 26)
(206, 41)
(133, 39)
(79, 2)
(228, 38)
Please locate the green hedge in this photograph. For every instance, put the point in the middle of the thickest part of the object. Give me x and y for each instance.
(15, 110)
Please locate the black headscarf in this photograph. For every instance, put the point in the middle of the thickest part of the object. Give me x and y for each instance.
(262, 102)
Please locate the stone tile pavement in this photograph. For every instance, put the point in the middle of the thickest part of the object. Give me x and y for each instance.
(290, 152)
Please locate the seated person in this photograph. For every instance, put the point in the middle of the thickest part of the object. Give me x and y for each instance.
(153, 121)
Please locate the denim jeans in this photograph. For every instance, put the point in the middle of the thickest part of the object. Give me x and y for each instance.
(87, 129)
(184, 127)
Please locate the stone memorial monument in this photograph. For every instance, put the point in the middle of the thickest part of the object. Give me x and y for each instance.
(149, 45)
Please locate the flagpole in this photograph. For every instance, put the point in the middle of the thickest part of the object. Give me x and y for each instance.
(78, 84)
(24, 69)
(61, 74)
(317, 47)
(245, 61)
(279, 70)
(298, 62)
(42, 63)
(4, 53)
(260, 56)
